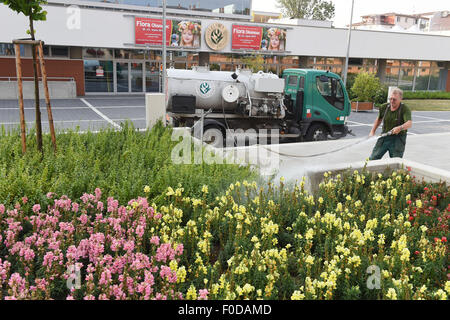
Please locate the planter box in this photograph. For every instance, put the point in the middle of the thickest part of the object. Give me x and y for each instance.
(362, 106)
(420, 171)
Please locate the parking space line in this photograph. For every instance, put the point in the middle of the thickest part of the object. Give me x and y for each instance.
(429, 121)
(73, 121)
(426, 117)
(118, 107)
(76, 108)
(99, 113)
(53, 108)
(54, 121)
(359, 124)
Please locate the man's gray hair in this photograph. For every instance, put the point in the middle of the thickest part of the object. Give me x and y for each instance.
(397, 91)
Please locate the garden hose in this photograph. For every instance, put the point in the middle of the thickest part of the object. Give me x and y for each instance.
(328, 152)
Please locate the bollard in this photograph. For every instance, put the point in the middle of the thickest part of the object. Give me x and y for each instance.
(155, 109)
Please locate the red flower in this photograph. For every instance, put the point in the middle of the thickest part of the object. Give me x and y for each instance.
(191, 27)
(444, 239)
(426, 189)
(417, 252)
(408, 202)
(411, 218)
(434, 198)
(437, 239)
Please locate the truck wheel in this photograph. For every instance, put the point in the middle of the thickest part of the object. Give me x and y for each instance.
(213, 136)
(316, 132)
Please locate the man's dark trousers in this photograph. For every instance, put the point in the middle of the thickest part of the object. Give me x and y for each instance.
(394, 144)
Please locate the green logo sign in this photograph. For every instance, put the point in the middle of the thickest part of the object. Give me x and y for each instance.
(205, 88)
(216, 36)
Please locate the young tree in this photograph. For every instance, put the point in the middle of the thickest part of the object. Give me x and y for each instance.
(33, 10)
(307, 9)
(254, 62)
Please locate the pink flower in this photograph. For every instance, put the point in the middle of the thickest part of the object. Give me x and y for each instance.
(75, 207)
(155, 240)
(2, 208)
(36, 208)
(203, 294)
(98, 194)
(128, 245)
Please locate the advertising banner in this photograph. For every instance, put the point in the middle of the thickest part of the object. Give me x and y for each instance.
(246, 37)
(258, 38)
(179, 33)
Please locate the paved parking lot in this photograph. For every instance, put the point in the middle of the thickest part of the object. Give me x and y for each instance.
(88, 113)
(95, 112)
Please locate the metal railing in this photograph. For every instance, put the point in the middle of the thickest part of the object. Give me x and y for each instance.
(10, 79)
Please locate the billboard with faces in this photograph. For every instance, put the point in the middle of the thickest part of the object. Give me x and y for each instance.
(258, 38)
(179, 33)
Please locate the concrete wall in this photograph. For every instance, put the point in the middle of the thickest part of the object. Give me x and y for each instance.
(57, 90)
(115, 29)
(55, 68)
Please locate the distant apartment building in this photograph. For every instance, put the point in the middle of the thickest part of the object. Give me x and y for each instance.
(394, 22)
(440, 23)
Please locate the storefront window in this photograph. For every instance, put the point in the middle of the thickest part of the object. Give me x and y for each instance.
(433, 83)
(152, 79)
(422, 77)
(99, 53)
(136, 77)
(216, 58)
(122, 76)
(129, 54)
(98, 76)
(392, 76)
(7, 49)
(60, 51)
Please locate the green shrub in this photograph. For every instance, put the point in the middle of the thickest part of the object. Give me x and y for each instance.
(365, 87)
(381, 95)
(426, 95)
(120, 163)
(350, 81)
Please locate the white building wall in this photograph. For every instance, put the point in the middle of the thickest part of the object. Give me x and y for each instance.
(113, 29)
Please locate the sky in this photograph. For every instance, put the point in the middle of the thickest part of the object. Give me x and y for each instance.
(363, 7)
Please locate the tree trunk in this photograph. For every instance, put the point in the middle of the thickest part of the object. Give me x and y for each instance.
(36, 91)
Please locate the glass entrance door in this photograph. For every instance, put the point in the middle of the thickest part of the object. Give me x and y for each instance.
(137, 78)
(152, 79)
(122, 77)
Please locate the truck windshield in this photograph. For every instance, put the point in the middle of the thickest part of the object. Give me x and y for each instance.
(331, 90)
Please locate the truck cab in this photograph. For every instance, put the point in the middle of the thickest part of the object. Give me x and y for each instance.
(318, 102)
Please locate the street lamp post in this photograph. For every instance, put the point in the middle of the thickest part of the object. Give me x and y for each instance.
(348, 46)
(164, 48)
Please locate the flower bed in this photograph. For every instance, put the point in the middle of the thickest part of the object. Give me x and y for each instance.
(120, 163)
(250, 242)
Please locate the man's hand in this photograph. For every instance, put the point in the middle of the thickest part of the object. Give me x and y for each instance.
(397, 130)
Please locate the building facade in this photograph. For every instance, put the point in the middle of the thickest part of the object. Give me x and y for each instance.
(115, 48)
(388, 21)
